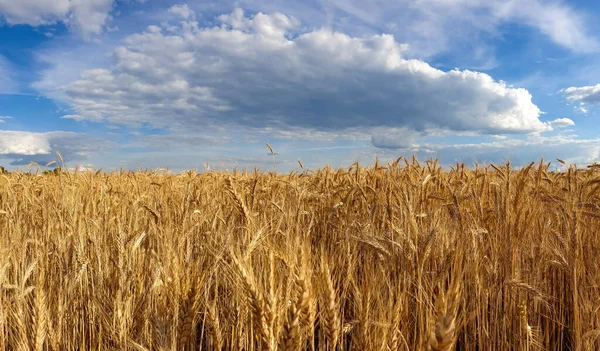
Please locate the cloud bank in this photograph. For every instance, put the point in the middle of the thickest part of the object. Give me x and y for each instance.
(262, 72)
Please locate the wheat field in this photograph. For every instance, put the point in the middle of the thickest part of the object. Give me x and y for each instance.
(402, 256)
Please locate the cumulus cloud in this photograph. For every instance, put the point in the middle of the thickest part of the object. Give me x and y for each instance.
(587, 94)
(86, 17)
(261, 72)
(25, 147)
(183, 11)
(4, 118)
(562, 123)
(22, 143)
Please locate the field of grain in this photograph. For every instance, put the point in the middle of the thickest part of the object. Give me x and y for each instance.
(402, 256)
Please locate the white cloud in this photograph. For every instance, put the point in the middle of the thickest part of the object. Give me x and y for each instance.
(258, 72)
(23, 143)
(4, 118)
(25, 147)
(183, 11)
(587, 94)
(562, 123)
(86, 17)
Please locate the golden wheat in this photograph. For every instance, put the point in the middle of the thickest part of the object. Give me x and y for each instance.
(408, 256)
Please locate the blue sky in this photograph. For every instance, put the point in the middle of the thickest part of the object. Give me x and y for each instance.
(173, 84)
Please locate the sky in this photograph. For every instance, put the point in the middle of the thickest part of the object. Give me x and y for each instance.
(112, 84)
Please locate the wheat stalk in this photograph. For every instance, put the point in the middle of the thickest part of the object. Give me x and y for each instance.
(330, 315)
